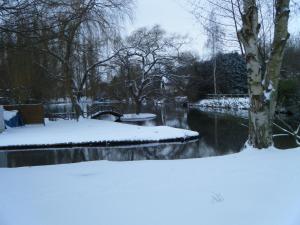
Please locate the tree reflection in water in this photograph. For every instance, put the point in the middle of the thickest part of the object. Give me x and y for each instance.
(220, 134)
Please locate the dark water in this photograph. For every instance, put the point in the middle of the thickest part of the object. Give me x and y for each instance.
(221, 133)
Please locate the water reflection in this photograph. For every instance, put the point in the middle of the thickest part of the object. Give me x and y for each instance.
(220, 133)
(61, 156)
(217, 133)
(225, 133)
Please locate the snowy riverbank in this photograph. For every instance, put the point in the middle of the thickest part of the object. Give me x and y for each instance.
(224, 111)
(227, 103)
(90, 132)
(248, 188)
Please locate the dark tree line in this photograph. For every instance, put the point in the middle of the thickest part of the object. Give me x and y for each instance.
(56, 48)
(73, 49)
(230, 76)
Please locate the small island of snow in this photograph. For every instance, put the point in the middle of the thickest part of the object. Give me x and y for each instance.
(137, 117)
(89, 132)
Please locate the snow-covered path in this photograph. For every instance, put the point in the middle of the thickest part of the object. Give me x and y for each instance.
(248, 188)
(89, 131)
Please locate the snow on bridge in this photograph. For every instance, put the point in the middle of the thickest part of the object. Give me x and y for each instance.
(97, 110)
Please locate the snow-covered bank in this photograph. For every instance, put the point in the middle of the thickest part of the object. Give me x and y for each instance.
(88, 131)
(224, 111)
(229, 103)
(138, 117)
(249, 188)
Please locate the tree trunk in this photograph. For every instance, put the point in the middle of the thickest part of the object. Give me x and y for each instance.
(71, 90)
(138, 106)
(236, 24)
(263, 88)
(214, 64)
(71, 87)
(214, 74)
(273, 67)
(260, 123)
(67, 69)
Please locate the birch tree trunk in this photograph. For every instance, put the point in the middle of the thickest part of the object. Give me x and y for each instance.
(67, 68)
(70, 84)
(263, 88)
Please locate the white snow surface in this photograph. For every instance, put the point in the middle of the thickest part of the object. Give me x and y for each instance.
(138, 117)
(248, 188)
(8, 115)
(230, 103)
(224, 111)
(88, 130)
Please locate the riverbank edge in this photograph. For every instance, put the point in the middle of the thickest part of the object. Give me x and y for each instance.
(100, 143)
(193, 105)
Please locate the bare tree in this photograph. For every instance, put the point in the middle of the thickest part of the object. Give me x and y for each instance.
(52, 35)
(263, 87)
(261, 31)
(229, 15)
(73, 21)
(287, 130)
(214, 42)
(148, 54)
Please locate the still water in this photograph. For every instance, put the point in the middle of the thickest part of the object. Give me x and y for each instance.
(221, 133)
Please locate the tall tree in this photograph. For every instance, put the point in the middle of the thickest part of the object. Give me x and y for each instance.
(214, 42)
(52, 36)
(145, 61)
(263, 86)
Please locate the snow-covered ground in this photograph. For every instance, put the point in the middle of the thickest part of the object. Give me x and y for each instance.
(229, 103)
(248, 188)
(138, 117)
(224, 111)
(88, 131)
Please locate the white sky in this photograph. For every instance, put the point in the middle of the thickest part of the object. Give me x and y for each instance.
(174, 17)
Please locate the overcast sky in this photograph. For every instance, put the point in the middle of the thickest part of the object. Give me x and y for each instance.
(174, 17)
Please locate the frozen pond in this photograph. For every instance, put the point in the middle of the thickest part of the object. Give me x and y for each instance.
(220, 134)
